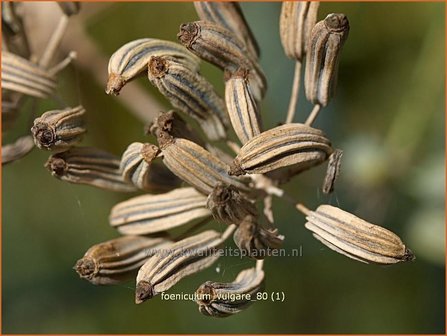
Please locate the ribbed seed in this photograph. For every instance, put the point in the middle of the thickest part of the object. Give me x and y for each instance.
(191, 93)
(254, 240)
(117, 260)
(242, 107)
(282, 146)
(173, 124)
(195, 165)
(295, 25)
(228, 205)
(17, 149)
(21, 75)
(333, 169)
(229, 15)
(155, 213)
(222, 48)
(220, 299)
(325, 45)
(89, 165)
(70, 8)
(59, 130)
(352, 236)
(183, 258)
(131, 60)
(140, 167)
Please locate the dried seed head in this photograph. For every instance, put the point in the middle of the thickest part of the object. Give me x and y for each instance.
(296, 22)
(195, 165)
(218, 299)
(256, 241)
(228, 205)
(21, 75)
(242, 107)
(222, 48)
(332, 172)
(154, 213)
(286, 145)
(191, 93)
(118, 259)
(173, 124)
(59, 130)
(349, 235)
(325, 45)
(183, 258)
(131, 60)
(229, 15)
(88, 165)
(139, 167)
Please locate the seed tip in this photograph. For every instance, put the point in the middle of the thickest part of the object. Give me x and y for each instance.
(143, 292)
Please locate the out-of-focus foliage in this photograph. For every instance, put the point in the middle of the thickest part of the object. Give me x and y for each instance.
(388, 116)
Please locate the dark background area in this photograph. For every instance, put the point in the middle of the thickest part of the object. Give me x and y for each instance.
(387, 116)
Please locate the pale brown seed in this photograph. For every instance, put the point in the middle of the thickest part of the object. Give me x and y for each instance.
(295, 25)
(91, 166)
(58, 130)
(256, 241)
(222, 48)
(242, 107)
(131, 60)
(21, 75)
(352, 236)
(154, 213)
(332, 172)
(140, 167)
(286, 145)
(191, 93)
(228, 205)
(229, 15)
(181, 259)
(117, 260)
(17, 149)
(325, 45)
(220, 299)
(195, 165)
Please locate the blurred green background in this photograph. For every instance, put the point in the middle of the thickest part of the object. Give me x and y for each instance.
(387, 116)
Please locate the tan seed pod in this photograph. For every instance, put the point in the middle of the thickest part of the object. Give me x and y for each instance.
(354, 237)
(183, 258)
(242, 107)
(21, 75)
(117, 260)
(140, 167)
(131, 60)
(295, 25)
(59, 130)
(221, 47)
(155, 213)
(332, 172)
(173, 124)
(282, 146)
(326, 41)
(91, 166)
(228, 205)
(17, 149)
(228, 15)
(256, 241)
(195, 165)
(191, 93)
(70, 8)
(220, 299)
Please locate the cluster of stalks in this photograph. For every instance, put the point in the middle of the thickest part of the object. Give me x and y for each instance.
(196, 172)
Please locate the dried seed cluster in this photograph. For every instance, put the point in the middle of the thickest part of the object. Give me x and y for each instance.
(151, 245)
